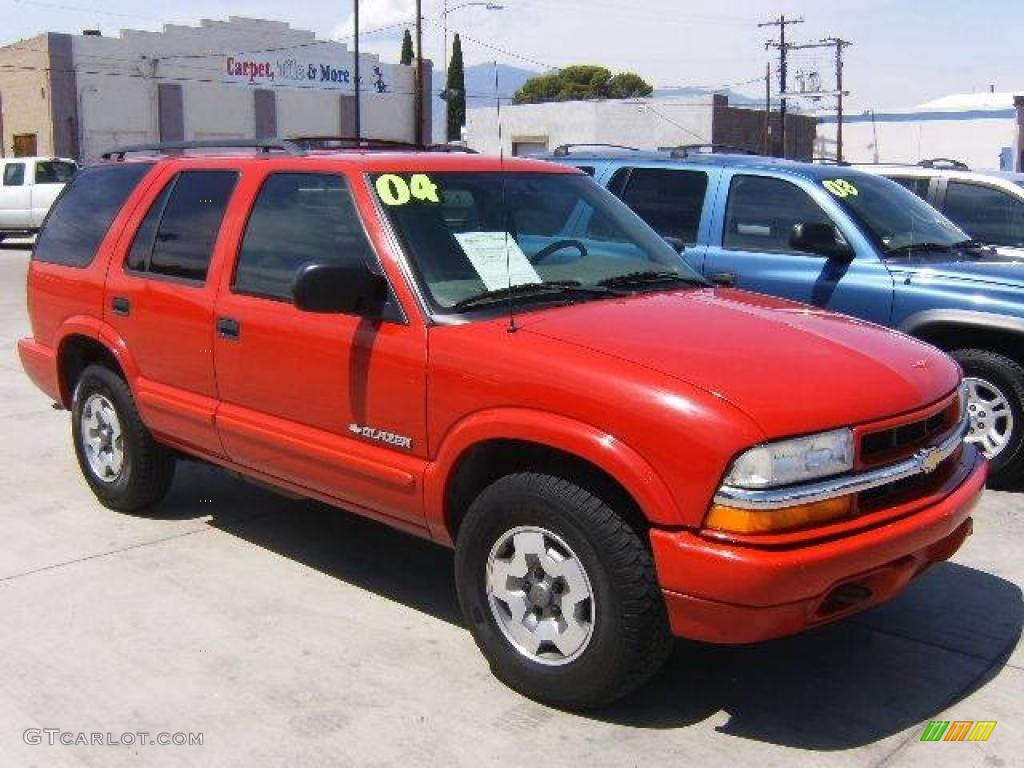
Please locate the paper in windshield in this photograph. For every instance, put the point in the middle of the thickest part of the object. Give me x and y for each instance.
(498, 259)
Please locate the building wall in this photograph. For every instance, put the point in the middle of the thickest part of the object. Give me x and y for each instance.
(745, 128)
(105, 89)
(976, 140)
(25, 93)
(643, 123)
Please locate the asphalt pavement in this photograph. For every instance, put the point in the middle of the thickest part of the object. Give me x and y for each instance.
(288, 633)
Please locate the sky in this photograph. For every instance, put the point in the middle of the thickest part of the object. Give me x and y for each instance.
(903, 53)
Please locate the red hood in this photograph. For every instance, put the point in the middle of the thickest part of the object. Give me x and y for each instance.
(793, 369)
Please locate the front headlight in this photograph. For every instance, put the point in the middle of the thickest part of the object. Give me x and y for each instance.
(793, 461)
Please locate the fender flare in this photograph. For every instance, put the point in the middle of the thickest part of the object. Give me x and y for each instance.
(585, 441)
(93, 328)
(963, 318)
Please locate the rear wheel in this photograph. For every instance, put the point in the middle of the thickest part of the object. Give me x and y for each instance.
(995, 406)
(124, 466)
(559, 592)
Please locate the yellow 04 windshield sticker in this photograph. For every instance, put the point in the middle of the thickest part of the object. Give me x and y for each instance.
(395, 190)
(840, 187)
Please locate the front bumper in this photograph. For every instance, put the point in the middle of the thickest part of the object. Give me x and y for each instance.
(727, 593)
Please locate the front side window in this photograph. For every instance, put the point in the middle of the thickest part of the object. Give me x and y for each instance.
(670, 200)
(298, 218)
(475, 235)
(762, 212)
(54, 172)
(177, 237)
(986, 213)
(14, 174)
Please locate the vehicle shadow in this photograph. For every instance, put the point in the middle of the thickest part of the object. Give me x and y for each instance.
(839, 687)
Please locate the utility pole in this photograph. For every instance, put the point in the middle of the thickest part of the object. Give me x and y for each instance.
(358, 85)
(839, 43)
(782, 22)
(767, 108)
(418, 108)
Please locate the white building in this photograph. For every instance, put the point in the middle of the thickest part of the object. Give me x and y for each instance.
(240, 78)
(642, 123)
(981, 129)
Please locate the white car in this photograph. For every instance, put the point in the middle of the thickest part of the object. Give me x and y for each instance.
(987, 205)
(28, 187)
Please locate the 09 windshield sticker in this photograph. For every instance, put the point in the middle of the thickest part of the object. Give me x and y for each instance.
(840, 187)
(395, 190)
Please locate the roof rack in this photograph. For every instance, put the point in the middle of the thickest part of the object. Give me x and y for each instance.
(336, 143)
(265, 146)
(689, 150)
(944, 162)
(564, 150)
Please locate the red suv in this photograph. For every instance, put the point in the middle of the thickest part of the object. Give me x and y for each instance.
(500, 356)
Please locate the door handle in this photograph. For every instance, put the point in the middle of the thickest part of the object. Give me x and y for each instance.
(726, 279)
(228, 328)
(121, 306)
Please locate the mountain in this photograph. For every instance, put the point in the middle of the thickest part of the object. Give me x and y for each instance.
(736, 99)
(480, 91)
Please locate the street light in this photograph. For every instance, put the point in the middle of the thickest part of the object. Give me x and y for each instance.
(459, 7)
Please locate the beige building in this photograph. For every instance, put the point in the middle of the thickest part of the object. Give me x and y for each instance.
(80, 95)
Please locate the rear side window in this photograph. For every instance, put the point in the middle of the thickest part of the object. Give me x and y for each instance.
(83, 213)
(14, 174)
(298, 218)
(916, 184)
(985, 213)
(762, 212)
(177, 236)
(54, 172)
(670, 201)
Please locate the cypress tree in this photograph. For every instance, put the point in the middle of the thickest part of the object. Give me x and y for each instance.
(408, 54)
(455, 92)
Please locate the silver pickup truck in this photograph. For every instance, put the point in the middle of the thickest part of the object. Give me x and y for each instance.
(28, 187)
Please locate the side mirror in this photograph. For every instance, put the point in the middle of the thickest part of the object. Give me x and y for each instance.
(677, 244)
(821, 239)
(347, 288)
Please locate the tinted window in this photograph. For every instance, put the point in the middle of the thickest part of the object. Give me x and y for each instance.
(986, 213)
(54, 172)
(190, 222)
(297, 218)
(671, 201)
(762, 212)
(14, 174)
(83, 213)
(916, 184)
(142, 245)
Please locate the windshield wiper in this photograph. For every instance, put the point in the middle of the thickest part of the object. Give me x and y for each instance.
(531, 290)
(922, 247)
(971, 245)
(635, 279)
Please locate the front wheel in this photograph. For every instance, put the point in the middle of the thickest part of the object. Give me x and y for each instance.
(995, 407)
(559, 592)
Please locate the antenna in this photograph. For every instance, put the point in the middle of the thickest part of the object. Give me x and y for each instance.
(501, 167)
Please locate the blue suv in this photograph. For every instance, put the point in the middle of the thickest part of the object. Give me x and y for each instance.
(845, 240)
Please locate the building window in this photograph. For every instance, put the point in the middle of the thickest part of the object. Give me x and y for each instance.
(25, 145)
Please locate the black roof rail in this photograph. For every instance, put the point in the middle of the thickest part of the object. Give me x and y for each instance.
(829, 161)
(450, 148)
(351, 142)
(689, 150)
(564, 150)
(265, 146)
(944, 162)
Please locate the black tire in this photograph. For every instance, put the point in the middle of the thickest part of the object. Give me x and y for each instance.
(630, 637)
(148, 467)
(1006, 469)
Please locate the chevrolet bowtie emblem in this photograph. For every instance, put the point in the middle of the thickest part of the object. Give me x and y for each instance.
(930, 459)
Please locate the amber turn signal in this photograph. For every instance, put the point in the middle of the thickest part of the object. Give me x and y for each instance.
(735, 520)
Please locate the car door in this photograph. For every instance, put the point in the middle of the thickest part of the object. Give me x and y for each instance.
(750, 249)
(160, 297)
(334, 403)
(673, 202)
(15, 199)
(985, 212)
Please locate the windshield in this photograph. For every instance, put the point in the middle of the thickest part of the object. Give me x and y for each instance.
(896, 219)
(472, 235)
